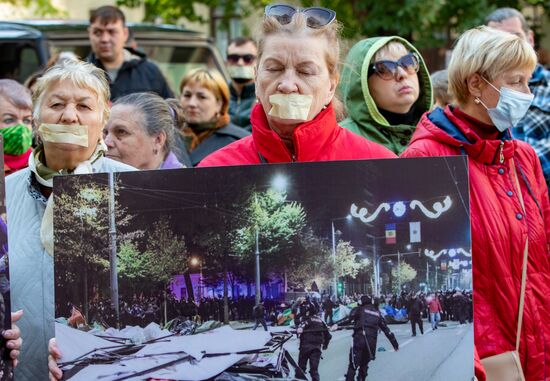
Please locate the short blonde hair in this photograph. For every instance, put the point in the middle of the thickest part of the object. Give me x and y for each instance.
(298, 24)
(211, 80)
(392, 47)
(488, 52)
(82, 74)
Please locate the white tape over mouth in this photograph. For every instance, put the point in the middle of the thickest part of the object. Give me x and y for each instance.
(290, 106)
(64, 133)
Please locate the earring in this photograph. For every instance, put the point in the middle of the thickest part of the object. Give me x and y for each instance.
(155, 151)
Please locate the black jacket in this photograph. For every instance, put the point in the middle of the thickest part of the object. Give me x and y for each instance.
(367, 320)
(136, 75)
(240, 105)
(315, 332)
(219, 139)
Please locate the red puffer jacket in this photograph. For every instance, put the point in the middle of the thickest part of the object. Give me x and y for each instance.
(320, 139)
(499, 231)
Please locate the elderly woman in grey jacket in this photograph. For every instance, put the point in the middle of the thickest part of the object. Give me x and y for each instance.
(70, 110)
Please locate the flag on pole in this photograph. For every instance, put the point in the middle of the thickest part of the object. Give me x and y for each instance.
(391, 234)
(414, 228)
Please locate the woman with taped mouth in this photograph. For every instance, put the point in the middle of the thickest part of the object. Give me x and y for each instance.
(296, 77)
(70, 110)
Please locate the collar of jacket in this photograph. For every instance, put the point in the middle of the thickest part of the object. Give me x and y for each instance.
(137, 57)
(451, 130)
(249, 91)
(310, 138)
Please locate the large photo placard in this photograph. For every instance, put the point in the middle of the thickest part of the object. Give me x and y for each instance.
(291, 271)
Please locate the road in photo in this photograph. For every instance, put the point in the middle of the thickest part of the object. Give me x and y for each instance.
(448, 349)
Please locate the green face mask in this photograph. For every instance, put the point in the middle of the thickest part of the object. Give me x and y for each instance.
(17, 139)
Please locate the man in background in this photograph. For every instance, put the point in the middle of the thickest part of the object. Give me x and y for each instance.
(241, 60)
(128, 70)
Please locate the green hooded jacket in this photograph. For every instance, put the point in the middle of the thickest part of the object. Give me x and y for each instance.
(364, 118)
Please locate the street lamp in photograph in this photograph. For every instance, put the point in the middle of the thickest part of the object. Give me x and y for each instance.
(198, 262)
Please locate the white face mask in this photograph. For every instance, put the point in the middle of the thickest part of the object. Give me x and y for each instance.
(290, 106)
(511, 107)
(244, 72)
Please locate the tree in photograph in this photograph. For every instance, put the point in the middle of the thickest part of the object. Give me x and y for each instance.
(315, 263)
(279, 224)
(404, 274)
(167, 254)
(132, 264)
(81, 227)
(348, 262)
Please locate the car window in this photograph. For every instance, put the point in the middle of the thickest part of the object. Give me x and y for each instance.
(18, 60)
(175, 62)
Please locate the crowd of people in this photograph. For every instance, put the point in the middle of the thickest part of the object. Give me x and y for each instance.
(113, 111)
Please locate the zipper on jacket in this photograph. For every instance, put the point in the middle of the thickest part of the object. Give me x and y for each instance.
(501, 152)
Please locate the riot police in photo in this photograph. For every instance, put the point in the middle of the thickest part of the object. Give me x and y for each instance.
(314, 335)
(366, 320)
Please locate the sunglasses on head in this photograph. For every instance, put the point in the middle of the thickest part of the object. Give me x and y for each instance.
(235, 58)
(388, 70)
(316, 17)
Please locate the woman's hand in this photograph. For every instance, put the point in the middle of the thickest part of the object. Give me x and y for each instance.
(13, 337)
(54, 355)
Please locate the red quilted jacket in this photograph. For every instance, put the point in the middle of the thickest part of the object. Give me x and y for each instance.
(499, 232)
(320, 139)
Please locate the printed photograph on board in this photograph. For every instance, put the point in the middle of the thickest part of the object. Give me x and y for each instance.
(316, 271)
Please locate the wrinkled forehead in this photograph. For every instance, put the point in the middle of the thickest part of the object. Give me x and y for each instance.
(297, 49)
(67, 89)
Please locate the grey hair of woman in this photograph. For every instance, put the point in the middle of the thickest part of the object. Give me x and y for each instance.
(156, 116)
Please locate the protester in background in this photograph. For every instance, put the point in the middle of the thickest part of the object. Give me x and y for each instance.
(435, 310)
(15, 124)
(534, 127)
(367, 321)
(128, 70)
(385, 98)
(489, 76)
(141, 132)
(314, 336)
(259, 316)
(297, 75)
(71, 99)
(241, 59)
(440, 85)
(205, 100)
(414, 310)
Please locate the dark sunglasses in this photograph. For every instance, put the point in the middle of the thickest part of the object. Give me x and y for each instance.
(316, 17)
(388, 70)
(247, 58)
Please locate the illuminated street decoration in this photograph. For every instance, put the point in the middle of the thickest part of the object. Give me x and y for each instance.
(363, 212)
(450, 252)
(438, 207)
(457, 264)
(400, 208)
